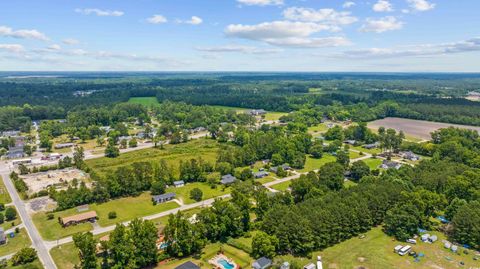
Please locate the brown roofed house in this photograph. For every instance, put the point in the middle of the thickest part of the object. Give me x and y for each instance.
(79, 218)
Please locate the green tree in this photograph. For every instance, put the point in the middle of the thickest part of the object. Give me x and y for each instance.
(343, 158)
(144, 235)
(332, 175)
(264, 245)
(111, 151)
(196, 194)
(465, 223)
(453, 207)
(86, 246)
(10, 214)
(402, 221)
(358, 170)
(182, 237)
(317, 150)
(78, 157)
(133, 143)
(24, 256)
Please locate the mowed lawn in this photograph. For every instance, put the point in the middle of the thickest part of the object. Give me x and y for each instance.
(373, 163)
(314, 164)
(376, 251)
(183, 193)
(146, 101)
(16, 243)
(273, 116)
(36, 264)
(281, 186)
(126, 208)
(4, 196)
(203, 147)
(317, 129)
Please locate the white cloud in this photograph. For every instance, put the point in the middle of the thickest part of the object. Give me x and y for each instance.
(16, 48)
(421, 5)
(54, 47)
(70, 41)
(157, 19)
(261, 2)
(286, 33)
(348, 4)
(22, 33)
(99, 12)
(239, 49)
(383, 6)
(381, 25)
(325, 15)
(425, 50)
(193, 21)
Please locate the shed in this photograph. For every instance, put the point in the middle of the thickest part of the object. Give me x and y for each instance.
(179, 183)
(162, 198)
(397, 248)
(228, 179)
(447, 245)
(64, 145)
(188, 265)
(262, 263)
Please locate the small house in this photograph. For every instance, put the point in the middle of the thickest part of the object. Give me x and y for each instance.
(3, 237)
(454, 248)
(188, 265)
(408, 155)
(260, 174)
(447, 245)
(310, 266)
(162, 198)
(179, 183)
(228, 179)
(15, 152)
(10, 133)
(350, 142)
(262, 263)
(90, 216)
(285, 167)
(390, 165)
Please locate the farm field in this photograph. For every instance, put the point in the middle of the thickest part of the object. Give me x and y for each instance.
(13, 245)
(204, 148)
(183, 193)
(376, 251)
(415, 128)
(146, 101)
(313, 164)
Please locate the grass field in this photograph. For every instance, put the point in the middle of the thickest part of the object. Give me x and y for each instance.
(371, 151)
(13, 245)
(204, 148)
(266, 179)
(126, 209)
(33, 265)
(318, 129)
(183, 193)
(313, 164)
(146, 101)
(4, 196)
(376, 251)
(237, 109)
(281, 186)
(65, 256)
(354, 155)
(271, 115)
(239, 257)
(11, 223)
(373, 163)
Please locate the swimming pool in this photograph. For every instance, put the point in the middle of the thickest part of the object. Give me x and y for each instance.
(225, 264)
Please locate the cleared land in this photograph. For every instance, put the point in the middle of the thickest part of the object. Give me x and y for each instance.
(376, 251)
(58, 178)
(13, 245)
(205, 148)
(183, 193)
(415, 128)
(313, 164)
(373, 163)
(147, 101)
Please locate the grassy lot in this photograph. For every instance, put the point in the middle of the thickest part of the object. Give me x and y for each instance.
(371, 151)
(33, 265)
(146, 101)
(318, 129)
(313, 164)
(9, 224)
(373, 163)
(183, 193)
(266, 179)
(65, 256)
(13, 245)
(52, 230)
(376, 249)
(4, 196)
(239, 257)
(281, 186)
(205, 148)
(270, 116)
(129, 208)
(354, 155)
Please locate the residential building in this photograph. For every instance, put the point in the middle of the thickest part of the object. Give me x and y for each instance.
(179, 183)
(257, 112)
(371, 146)
(285, 265)
(408, 155)
(162, 198)
(15, 152)
(390, 165)
(188, 265)
(90, 216)
(262, 263)
(260, 174)
(228, 179)
(3, 237)
(64, 145)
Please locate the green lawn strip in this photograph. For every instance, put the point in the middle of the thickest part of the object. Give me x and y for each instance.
(354, 155)
(16, 243)
(240, 257)
(4, 196)
(237, 109)
(281, 186)
(313, 164)
(272, 116)
(373, 163)
(10, 223)
(36, 264)
(266, 179)
(244, 243)
(146, 101)
(129, 208)
(52, 230)
(318, 129)
(183, 193)
(362, 149)
(205, 148)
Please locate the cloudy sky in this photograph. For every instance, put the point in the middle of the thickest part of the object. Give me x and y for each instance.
(240, 35)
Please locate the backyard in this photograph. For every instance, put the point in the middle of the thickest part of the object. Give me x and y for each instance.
(314, 164)
(183, 193)
(16, 243)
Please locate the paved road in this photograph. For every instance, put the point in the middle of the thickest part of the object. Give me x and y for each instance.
(37, 241)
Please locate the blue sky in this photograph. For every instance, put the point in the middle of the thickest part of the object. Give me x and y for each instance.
(240, 35)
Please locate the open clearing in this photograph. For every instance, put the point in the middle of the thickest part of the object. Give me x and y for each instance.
(58, 178)
(183, 193)
(205, 148)
(376, 251)
(416, 128)
(146, 101)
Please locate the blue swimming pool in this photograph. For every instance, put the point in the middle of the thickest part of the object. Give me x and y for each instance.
(225, 264)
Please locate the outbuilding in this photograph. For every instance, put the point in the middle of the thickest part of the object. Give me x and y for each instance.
(262, 263)
(179, 183)
(310, 266)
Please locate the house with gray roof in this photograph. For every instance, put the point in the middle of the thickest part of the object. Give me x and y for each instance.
(188, 265)
(260, 174)
(15, 152)
(228, 179)
(390, 165)
(162, 198)
(262, 263)
(179, 183)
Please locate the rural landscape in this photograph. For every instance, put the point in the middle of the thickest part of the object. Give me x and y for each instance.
(130, 139)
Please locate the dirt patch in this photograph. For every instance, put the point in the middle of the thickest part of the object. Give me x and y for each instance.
(57, 178)
(40, 204)
(416, 128)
